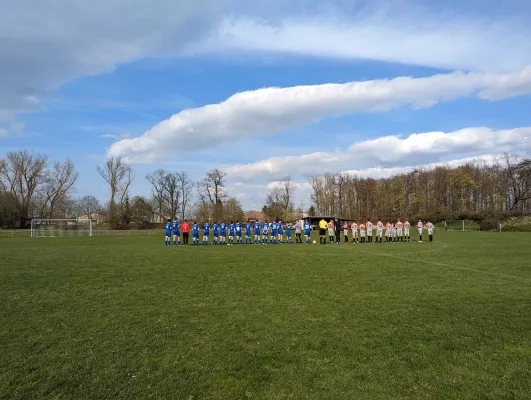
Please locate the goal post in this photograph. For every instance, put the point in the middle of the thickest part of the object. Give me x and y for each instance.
(60, 227)
(458, 226)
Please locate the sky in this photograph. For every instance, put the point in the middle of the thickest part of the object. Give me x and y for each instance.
(264, 90)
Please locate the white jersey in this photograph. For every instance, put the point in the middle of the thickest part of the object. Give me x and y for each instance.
(399, 226)
(406, 227)
(369, 227)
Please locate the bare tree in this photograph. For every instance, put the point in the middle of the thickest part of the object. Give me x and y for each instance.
(185, 187)
(279, 202)
(89, 205)
(212, 190)
(166, 190)
(58, 185)
(119, 176)
(22, 174)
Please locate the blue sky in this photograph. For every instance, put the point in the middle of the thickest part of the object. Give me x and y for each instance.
(413, 84)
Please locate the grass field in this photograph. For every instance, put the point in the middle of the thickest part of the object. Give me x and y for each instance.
(127, 318)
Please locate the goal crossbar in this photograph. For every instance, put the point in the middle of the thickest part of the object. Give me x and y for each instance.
(457, 225)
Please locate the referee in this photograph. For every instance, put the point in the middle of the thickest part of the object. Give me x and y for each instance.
(322, 231)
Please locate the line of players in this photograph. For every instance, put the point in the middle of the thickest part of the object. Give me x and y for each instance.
(267, 233)
(273, 232)
(397, 232)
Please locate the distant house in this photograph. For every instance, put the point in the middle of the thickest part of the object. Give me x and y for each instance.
(254, 216)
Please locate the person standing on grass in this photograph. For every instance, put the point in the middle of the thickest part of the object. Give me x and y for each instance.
(280, 231)
(345, 232)
(331, 231)
(308, 230)
(362, 233)
(248, 232)
(176, 233)
(195, 233)
(298, 231)
(354, 232)
(206, 233)
(231, 233)
(369, 230)
(289, 240)
(223, 233)
(215, 228)
(322, 231)
(429, 227)
(186, 232)
(400, 230)
(407, 226)
(338, 226)
(379, 230)
(257, 232)
(273, 236)
(265, 231)
(388, 229)
(238, 228)
(167, 233)
(420, 227)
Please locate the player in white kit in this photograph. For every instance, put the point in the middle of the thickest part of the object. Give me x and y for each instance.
(407, 225)
(354, 228)
(400, 230)
(393, 230)
(345, 232)
(369, 230)
(429, 227)
(420, 227)
(388, 232)
(379, 230)
(362, 233)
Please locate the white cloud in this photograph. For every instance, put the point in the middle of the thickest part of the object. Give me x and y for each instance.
(390, 32)
(390, 154)
(3, 132)
(115, 136)
(45, 43)
(273, 110)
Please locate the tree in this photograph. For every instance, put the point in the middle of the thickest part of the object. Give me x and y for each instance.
(185, 187)
(9, 216)
(279, 202)
(519, 181)
(232, 210)
(212, 190)
(119, 176)
(89, 205)
(165, 187)
(22, 174)
(311, 211)
(141, 213)
(58, 185)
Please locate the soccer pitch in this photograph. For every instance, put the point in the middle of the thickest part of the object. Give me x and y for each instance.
(126, 317)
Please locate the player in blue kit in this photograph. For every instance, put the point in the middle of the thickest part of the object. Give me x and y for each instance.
(231, 233)
(238, 228)
(307, 230)
(273, 236)
(222, 233)
(176, 233)
(265, 230)
(206, 233)
(280, 231)
(248, 232)
(195, 233)
(256, 232)
(288, 233)
(167, 231)
(215, 228)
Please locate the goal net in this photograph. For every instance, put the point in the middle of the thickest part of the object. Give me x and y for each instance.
(457, 226)
(61, 227)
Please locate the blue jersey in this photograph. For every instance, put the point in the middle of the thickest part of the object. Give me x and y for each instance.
(167, 227)
(265, 228)
(273, 228)
(238, 229)
(231, 230)
(206, 229)
(215, 227)
(223, 229)
(247, 229)
(195, 230)
(175, 227)
(280, 229)
(288, 230)
(257, 228)
(307, 228)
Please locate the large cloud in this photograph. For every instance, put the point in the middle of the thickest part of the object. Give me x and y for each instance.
(273, 110)
(390, 154)
(45, 43)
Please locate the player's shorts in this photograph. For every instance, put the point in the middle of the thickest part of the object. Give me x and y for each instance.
(223, 234)
(322, 232)
(379, 232)
(345, 231)
(206, 233)
(430, 231)
(362, 233)
(307, 232)
(406, 232)
(239, 234)
(168, 233)
(369, 232)
(420, 231)
(176, 233)
(355, 233)
(195, 235)
(399, 232)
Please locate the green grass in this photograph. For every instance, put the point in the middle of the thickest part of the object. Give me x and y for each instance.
(127, 318)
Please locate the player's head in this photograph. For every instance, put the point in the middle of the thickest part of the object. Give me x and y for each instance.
(169, 219)
(368, 220)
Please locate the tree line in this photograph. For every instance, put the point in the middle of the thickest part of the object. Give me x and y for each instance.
(33, 186)
(476, 190)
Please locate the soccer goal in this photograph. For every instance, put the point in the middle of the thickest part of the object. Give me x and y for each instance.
(458, 226)
(61, 227)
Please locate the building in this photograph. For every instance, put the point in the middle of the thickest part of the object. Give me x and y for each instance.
(254, 216)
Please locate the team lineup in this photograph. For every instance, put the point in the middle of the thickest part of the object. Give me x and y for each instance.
(277, 232)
